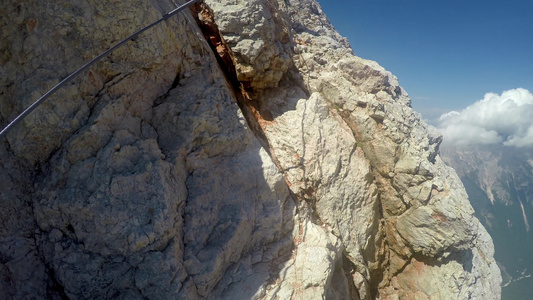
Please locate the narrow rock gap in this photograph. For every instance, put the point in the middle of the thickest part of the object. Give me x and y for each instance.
(221, 50)
(225, 59)
(55, 288)
(188, 277)
(176, 82)
(249, 107)
(349, 268)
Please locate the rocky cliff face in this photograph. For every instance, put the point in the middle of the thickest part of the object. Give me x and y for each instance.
(239, 150)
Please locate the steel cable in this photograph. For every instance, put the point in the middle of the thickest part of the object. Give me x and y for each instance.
(87, 65)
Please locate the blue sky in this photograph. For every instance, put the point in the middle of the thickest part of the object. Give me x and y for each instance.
(446, 54)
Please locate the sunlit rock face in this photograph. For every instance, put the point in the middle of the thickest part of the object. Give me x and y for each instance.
(238, 150)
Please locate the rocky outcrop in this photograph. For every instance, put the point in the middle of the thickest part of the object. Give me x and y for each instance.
(239, 150)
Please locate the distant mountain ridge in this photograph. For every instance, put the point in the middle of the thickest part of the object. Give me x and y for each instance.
(499, 182)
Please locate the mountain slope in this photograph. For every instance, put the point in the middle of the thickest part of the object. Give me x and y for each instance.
(498, 181)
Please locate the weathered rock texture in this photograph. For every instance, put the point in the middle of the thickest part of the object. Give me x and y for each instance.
(239, 150)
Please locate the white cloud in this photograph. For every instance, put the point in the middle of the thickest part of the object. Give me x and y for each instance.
(505, 118)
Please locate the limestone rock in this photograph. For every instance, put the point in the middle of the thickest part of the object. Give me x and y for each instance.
(261, 47)
(341, 130)
(258, 158)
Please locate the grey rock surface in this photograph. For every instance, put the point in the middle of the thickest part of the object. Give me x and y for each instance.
(238, 150)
